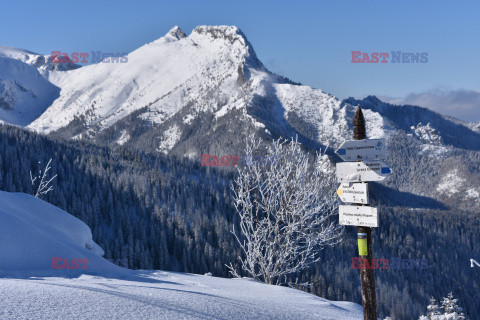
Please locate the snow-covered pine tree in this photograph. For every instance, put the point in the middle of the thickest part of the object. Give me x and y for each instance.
(433, 309)
(449, 304)
(452, 310)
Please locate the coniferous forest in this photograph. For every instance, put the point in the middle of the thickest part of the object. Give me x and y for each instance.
(149, 211)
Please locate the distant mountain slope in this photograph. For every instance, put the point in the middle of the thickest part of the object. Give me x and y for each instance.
(26, 90)
(192, 95)
(24, 93)
(42, 62)
(452, 132)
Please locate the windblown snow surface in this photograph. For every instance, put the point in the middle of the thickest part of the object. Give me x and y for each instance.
(33, 231)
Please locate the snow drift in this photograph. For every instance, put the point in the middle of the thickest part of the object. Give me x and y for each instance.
(34, 231)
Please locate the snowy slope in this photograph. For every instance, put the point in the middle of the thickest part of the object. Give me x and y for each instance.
(163, 295)
(24, 93)
(34, 231)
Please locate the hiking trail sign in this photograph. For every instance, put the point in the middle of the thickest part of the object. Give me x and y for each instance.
(363, 216)
(362, 171)
(353, 192)
(367, 149)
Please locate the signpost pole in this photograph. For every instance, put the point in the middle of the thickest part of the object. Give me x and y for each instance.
(367, 275)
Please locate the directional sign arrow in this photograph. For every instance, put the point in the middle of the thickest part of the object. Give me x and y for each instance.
(353, 192)
(362, 171)
(367, 149)
(362, 216)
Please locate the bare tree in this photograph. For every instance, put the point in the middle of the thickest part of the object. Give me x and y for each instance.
(40, 183)
(285, 209)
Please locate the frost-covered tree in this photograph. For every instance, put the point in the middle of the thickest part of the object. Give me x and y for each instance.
(451, 309)
(40, 181)
(433, 309)
(285, 209)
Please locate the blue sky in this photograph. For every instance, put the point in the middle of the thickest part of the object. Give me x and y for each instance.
(307, 41)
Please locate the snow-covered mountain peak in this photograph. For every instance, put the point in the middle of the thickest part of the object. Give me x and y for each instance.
(171, 87)
(231, 38)
(204, 70)
(176, 33)
(173, 35)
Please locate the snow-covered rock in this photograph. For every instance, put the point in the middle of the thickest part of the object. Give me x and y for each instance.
(432, 142)
(427, 134)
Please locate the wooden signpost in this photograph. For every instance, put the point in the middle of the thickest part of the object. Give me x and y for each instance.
(367, 165)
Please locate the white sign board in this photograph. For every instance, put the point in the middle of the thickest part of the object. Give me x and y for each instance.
(362, 216)
(368, 149)
(362, 171)
(353, 192)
